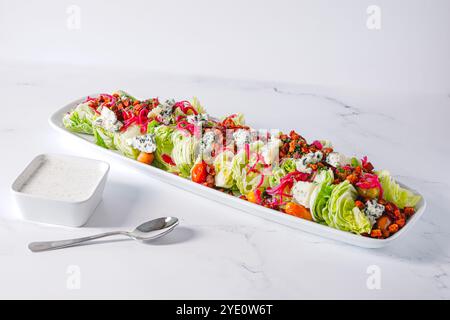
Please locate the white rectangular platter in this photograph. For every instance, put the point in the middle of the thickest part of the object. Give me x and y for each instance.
(223, 198)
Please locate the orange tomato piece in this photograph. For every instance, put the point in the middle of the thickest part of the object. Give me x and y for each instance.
(251, 196)
(146, 158)
(298, 210)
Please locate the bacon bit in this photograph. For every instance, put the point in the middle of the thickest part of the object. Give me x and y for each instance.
(393, 228)
(368, 167)
(359, 204)
(390, 207)
(294, 135)
(313, 166)
(409, 211)
(376, 233)
(327, 150)
(397, 213)
(305, 150)
(352, 178)
(366, 164)
(292, 145)
(400, 222)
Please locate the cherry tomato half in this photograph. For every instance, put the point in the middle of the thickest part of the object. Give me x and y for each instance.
(199, 172)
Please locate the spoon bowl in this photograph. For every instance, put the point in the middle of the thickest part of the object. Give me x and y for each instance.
(154, 228)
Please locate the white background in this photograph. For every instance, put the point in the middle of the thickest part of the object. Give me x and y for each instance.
(314, 42)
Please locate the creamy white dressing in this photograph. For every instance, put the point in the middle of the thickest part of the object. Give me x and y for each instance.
(63, 179)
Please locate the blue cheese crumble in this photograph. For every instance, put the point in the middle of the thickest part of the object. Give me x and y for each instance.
(145, 143)
(207, 141)
(309, 158)
(163, 112)
(241, 137)
(197, 119)
(373, 210)
(108, 120)
(302, 192)
(337, 159)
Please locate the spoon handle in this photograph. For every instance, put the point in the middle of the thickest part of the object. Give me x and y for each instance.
(51, 245)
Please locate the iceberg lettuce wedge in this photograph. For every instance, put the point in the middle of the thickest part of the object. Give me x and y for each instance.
(321, 195)
(392, 191)
(343, 214)
(104, 138)
(223, 168)
(183, 153)
(80, 119)
(121, 141)
(164, 147)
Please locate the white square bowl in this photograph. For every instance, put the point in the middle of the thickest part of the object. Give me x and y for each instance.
(45, 209)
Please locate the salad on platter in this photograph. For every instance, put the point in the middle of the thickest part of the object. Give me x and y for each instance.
(277, 170)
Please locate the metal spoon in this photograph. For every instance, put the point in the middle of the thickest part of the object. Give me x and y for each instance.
(149, 230)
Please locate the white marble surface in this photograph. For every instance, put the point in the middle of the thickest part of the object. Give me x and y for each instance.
(218, 252)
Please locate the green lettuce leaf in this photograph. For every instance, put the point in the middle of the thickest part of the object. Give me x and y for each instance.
(342, 212)
(289, 165)
(104, 138)
(321, 195)
(277, 174)
(248, 181)
(223, 168)
(121, 141)
(392, 191)
(197, 106)
(80, 119)
(184, 152)
(164, 146)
